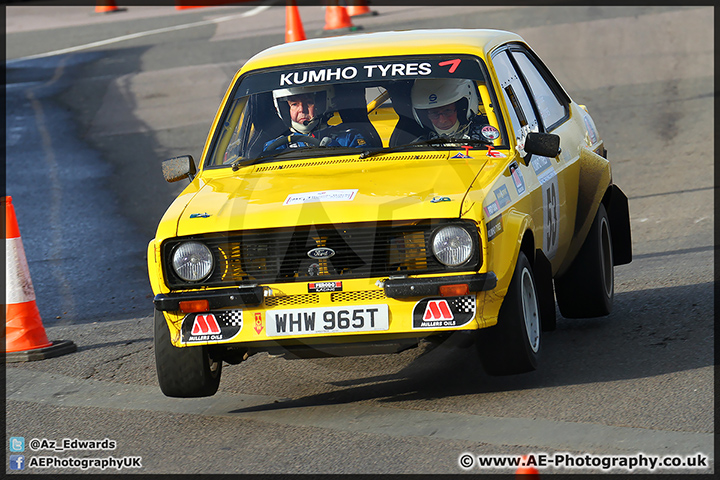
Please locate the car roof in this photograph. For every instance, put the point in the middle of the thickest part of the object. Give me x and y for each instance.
(409, 42)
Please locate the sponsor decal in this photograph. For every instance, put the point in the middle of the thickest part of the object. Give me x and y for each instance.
(494, 227)
(517, 177)
(258, 323)
(440, 199)
(540, 164)
(211, 327)
(323, 196)
(199, 215)
(319, 287)
(461, 155)
(502, 198)
(454, 64)
(353, 72)
(321, 252)
(444, 312)
(490, 132)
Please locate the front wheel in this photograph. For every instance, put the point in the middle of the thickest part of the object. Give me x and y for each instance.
(187, 371)
(513, 345)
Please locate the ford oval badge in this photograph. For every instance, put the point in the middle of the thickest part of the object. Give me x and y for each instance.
(321, 252)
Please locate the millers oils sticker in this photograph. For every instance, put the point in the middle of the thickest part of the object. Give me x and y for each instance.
(443, 312)
(211, 327)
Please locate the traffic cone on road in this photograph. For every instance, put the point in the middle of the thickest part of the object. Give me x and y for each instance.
(337, 19)
(106, 6)
(525, 471)
(293, 25)
(25, 337)
(359, 8)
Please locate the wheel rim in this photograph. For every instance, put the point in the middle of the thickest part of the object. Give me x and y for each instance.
(213, 366)
(606, 258)
(531, 313)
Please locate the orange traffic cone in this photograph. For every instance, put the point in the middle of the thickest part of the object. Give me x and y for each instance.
(359, 8)
(293, 25)
(337, 18)
(106, 6)
(527, 471)
(25, 337)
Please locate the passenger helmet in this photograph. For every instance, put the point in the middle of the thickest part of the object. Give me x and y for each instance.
(324, 96)
(438, 92)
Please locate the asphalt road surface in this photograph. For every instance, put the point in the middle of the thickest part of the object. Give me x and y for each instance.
(94, 103)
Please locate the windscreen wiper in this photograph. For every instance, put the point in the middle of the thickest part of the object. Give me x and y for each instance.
(432, 141)
(303, 151)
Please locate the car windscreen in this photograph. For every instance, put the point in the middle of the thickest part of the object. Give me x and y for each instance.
(357, 106)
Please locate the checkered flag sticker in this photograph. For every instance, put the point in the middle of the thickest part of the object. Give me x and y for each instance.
(463, 304)
(229, 318)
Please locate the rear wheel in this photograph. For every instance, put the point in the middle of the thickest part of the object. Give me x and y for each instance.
(587, 288)
(186, 371)
(513, 345)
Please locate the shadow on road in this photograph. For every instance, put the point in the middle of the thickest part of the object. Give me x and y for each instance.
(651, 332)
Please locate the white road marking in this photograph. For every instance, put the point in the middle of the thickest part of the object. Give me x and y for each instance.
(132, 36)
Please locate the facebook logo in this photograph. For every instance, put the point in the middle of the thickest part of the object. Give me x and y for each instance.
(17, 462)
(17, 444)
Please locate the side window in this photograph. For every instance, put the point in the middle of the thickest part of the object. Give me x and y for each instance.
(521, 112)
(551, 110)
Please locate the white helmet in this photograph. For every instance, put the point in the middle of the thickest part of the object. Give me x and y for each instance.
(323, 104)
(438, 92)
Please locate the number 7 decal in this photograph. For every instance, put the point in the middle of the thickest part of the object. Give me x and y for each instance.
(453, 64)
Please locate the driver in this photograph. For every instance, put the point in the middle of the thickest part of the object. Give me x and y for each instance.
(449, 108)
(305, 111)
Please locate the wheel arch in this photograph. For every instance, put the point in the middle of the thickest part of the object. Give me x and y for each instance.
(618, 210)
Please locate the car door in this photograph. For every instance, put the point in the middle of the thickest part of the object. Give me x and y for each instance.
(538, 105)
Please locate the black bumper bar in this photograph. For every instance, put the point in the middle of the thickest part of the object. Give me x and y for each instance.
(423, 287)
(229, 297)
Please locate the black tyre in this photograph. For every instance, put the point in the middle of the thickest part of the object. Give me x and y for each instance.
(513, 345)
(187, 371)
(587, 288)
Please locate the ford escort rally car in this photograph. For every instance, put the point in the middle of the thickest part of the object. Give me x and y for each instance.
(360, 194)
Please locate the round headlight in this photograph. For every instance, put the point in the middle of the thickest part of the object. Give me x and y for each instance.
(192, 261)
(452, 246)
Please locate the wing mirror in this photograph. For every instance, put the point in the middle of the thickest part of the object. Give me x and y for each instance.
(177, 168)
(542, 144)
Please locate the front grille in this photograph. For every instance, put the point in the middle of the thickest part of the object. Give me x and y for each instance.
(365, 296)
(335, 297)
(281, 255)
(305, 299)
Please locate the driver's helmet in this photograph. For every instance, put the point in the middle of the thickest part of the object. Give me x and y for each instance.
(438, 92)
(324, 96)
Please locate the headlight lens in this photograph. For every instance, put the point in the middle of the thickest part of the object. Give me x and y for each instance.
(452, 245)
(192, 261)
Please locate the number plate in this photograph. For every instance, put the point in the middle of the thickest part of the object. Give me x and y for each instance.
(304, 321)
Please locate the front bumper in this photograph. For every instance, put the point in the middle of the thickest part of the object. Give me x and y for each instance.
(394, 288)
(430, 286)
(348, 311)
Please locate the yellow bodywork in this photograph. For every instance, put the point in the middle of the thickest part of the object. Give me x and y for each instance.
(390, 187)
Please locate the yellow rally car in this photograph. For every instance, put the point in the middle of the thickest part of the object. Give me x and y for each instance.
(359, 194)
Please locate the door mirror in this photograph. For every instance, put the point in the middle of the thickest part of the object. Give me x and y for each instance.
(177, 168)
(543, 144)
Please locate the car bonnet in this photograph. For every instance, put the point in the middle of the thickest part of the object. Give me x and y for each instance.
(335, 193)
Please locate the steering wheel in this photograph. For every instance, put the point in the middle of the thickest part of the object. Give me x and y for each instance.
(293, 139)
